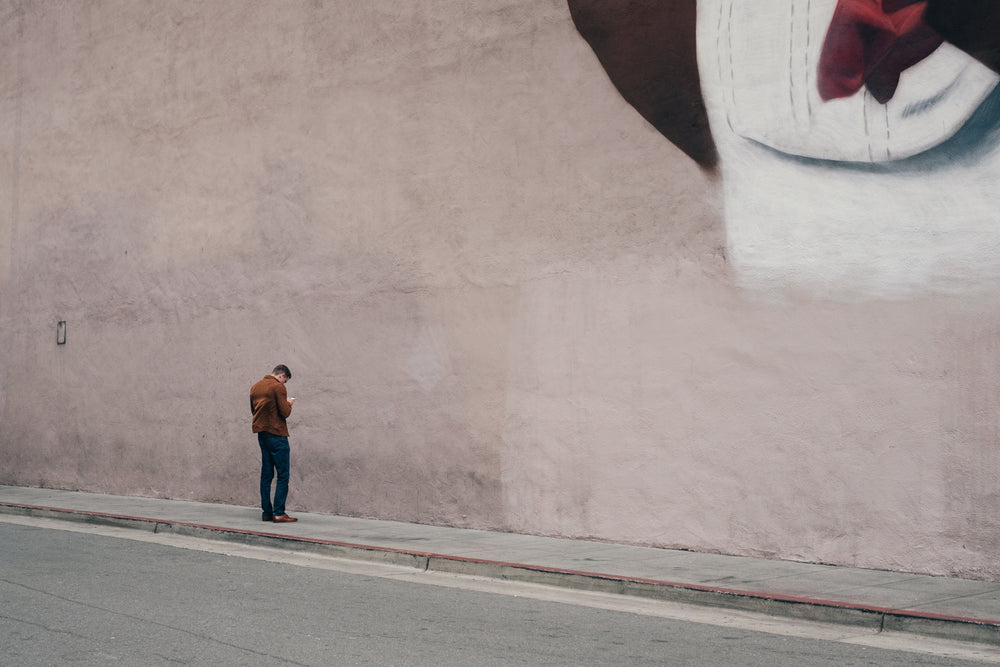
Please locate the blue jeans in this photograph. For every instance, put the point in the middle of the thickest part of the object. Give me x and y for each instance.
(274, 457)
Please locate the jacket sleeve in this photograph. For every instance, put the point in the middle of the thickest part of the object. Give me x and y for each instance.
(281, 400)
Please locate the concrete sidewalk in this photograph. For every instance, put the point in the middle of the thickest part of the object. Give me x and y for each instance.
(940, 606)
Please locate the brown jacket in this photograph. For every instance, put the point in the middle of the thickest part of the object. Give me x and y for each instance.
(269, 406)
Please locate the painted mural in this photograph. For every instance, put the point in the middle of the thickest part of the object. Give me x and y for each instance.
(858, 141)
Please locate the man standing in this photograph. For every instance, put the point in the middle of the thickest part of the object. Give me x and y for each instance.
(270, 406)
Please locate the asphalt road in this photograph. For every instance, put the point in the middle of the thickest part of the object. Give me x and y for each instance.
(83, 595)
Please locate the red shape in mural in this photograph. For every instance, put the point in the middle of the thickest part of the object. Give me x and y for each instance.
(870, 43)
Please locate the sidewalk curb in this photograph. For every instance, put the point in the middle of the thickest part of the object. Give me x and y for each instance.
(870, 617)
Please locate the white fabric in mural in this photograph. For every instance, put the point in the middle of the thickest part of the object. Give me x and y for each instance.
(850, 196)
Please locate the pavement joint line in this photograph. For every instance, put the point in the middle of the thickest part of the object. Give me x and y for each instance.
(845, 613)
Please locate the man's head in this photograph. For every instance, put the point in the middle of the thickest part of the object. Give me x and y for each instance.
(282, 373)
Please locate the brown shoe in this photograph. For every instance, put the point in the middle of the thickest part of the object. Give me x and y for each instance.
(284, 518)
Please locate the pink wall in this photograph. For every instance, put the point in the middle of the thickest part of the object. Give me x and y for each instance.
(507, 301)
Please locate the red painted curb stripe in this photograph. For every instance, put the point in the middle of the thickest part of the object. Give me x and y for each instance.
(541, 568)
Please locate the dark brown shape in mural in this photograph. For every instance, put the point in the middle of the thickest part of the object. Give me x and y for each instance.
(648, 49)
(971, 25)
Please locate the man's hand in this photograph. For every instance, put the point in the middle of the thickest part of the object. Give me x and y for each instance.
(291, 400)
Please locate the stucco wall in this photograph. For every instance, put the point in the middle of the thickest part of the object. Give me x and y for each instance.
(505, 299)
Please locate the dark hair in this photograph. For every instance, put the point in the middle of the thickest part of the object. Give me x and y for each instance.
(282, 369)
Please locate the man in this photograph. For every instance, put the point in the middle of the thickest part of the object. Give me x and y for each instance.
(270, 407)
